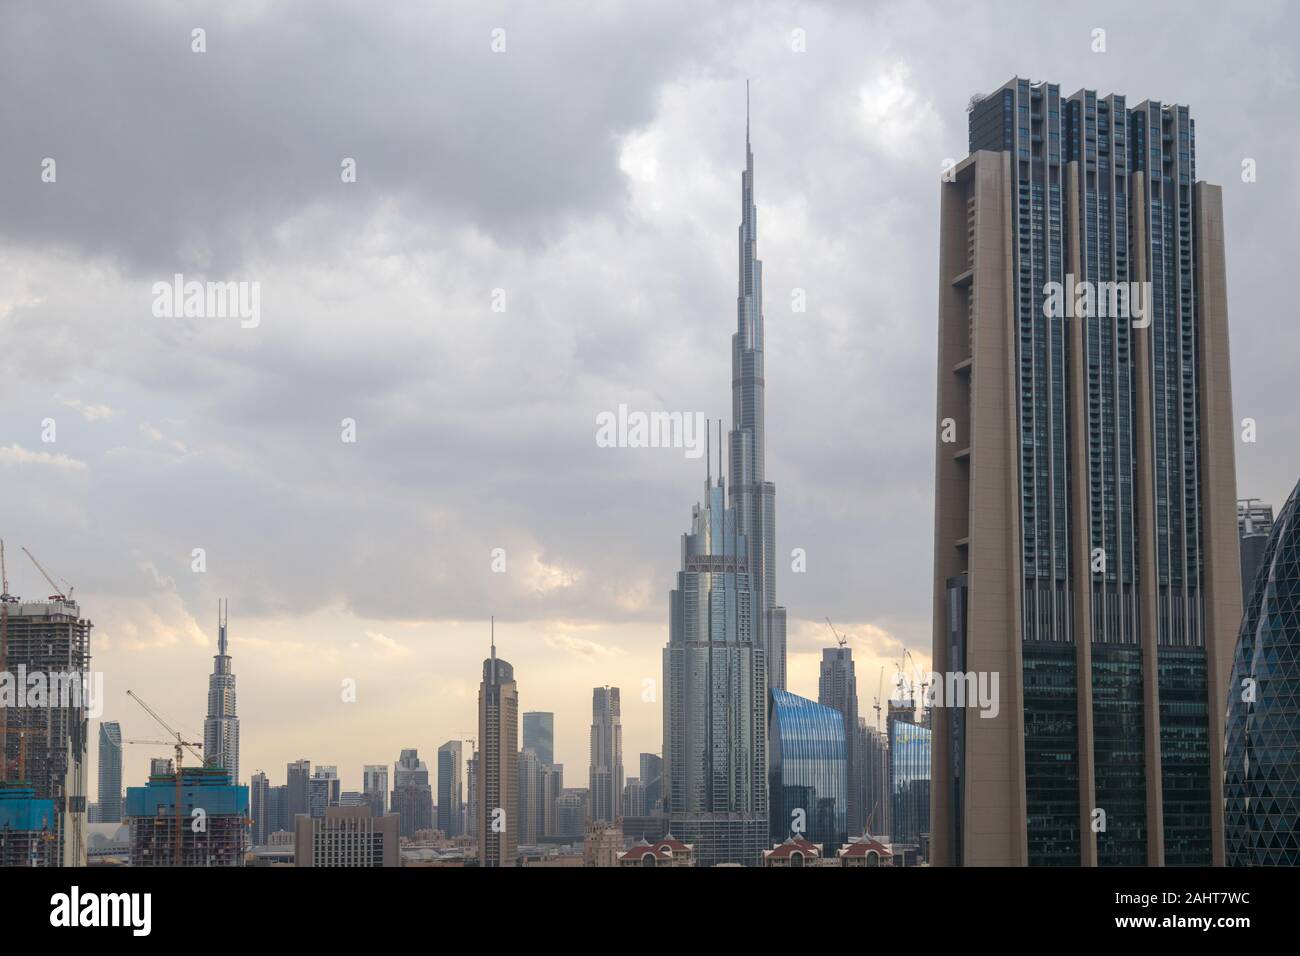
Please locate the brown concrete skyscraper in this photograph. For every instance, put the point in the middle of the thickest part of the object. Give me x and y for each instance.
(497, 777)
(1085, 496)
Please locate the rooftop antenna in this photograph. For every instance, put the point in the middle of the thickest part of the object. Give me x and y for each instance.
(719, 452)
(493, 658)
(746, 112)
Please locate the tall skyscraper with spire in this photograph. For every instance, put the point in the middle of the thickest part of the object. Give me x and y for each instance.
(753, 497)
(726, 634)
(497, 772)
(221, 728)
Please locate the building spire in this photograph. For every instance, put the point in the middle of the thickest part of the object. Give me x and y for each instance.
(746, 114)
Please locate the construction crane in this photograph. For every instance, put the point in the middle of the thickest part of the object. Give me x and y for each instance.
(181, 745)
(924, 682)
(880, 686)
(842, 641)
(57, 595)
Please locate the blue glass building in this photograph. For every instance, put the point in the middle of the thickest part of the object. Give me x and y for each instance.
(1262, 759)
(808, 771)
(909, 780)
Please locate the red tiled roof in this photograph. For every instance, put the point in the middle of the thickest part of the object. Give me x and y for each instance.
(863, 847)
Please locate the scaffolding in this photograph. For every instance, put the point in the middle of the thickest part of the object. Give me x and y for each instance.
(26, 837)
(45, 746)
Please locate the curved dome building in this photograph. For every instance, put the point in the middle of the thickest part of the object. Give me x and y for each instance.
(1262, 743)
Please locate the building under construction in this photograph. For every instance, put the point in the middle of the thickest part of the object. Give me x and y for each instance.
(43, 739)
(200, 819)
(26, 827)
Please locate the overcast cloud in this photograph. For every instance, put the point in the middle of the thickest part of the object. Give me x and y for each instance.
(591, 171)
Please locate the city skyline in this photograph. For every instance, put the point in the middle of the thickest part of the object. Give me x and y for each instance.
(377, 567)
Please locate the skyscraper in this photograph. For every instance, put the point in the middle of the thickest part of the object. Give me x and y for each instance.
(532, 809)
(221, 728)
(110, 772)
(1254, 522)
(1262, 762)
(1085, 549)
(50, 637)
(163, 834)
(909, 777)
(753, 497)
(652, 782)
(451, 792)
(606, 767)
(259, 810)
(374, 787)
(539, 735)
(298, 783)
(323, 790)
(497, 823)
(552, 787)
(808, 767)
(723, 617)
(837, 688)
(412, 793)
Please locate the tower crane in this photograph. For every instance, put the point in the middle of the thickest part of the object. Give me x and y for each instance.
(880, 686)
(181, 745)
(839, 638)
(57, 595)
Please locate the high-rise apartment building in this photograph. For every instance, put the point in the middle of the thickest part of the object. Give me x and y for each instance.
(571, 813)
(1254, 522)
(51, 638)
(874, 750)
(652, 782)
(259, 810)
(497, 823)
(412, 793)
(451, 790)
(221, 726)
(552, 788)
(298, 782)
(532, 806)
(539, 735)
(110, 772)
(1084, 538)
(374, 788)
(323, 790)
(471, 796)
(606, 767)
(347, 837)
(837, 688)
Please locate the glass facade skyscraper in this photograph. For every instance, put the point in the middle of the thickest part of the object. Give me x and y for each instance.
(110, 772)
(909, 780)
(1085, 547)
(451, 792)
(752, 496)
(808, 771)
(1262, 764)
(539, 735)
(221, 727)
(725, 631)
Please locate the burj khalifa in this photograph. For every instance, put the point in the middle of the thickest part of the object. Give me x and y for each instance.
(752, 496)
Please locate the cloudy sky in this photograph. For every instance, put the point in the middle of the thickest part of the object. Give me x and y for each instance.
(590, 170)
